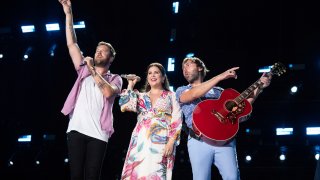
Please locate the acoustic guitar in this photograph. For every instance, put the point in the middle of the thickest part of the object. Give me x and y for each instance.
(216, 121)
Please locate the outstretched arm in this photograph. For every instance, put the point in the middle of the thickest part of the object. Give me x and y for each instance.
(200, 90)
(72, 44)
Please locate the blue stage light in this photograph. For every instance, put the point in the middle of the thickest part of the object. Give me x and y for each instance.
(27, 53)
(53, 27)
(282, 157)
(189, 55)
(264, 69)
(27, 29)
(248, 158)
(313, 131)
(25, 138)
(175, 7)
(294, 89)
(52, 49)
(79, 25)
(284, 131)
(173, 35)
(171, 62)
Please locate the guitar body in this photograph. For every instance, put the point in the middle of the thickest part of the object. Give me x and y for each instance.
(217, 120)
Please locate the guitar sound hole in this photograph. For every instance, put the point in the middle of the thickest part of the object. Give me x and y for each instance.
(230, 105)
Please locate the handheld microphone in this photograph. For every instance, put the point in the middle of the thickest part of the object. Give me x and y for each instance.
(131, 77)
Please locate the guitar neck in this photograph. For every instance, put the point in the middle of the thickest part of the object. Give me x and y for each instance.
(277, 69)
(246, 93)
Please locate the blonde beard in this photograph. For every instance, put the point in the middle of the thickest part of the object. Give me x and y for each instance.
(101, 63)
(193, 78)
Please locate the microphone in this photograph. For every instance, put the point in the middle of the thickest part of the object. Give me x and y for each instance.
(131, 77)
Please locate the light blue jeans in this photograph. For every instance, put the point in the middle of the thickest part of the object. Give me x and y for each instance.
(203, 155)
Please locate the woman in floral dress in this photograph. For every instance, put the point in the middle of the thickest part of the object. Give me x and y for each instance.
(151, 151)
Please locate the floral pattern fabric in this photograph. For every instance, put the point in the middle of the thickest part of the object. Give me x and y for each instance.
(156, 124)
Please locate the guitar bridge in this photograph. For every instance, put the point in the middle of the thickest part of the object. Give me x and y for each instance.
(232, 118)
(236, 110)
(218, 115)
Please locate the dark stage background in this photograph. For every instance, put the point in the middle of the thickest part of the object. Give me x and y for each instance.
(249, 34)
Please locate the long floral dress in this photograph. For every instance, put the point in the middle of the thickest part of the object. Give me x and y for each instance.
(145, 158)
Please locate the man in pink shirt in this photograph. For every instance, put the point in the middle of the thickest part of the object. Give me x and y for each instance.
(89, 104)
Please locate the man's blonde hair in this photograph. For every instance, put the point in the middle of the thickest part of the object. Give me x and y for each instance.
(113, 52)
(199, 63)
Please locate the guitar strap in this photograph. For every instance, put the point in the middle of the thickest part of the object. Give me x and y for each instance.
(193, 135)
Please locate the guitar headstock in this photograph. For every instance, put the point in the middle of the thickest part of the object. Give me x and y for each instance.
(278, 69)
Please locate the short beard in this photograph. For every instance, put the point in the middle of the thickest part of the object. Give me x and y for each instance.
(192, 78)
(101, 63)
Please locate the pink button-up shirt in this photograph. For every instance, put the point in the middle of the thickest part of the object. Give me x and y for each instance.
(106, 117)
